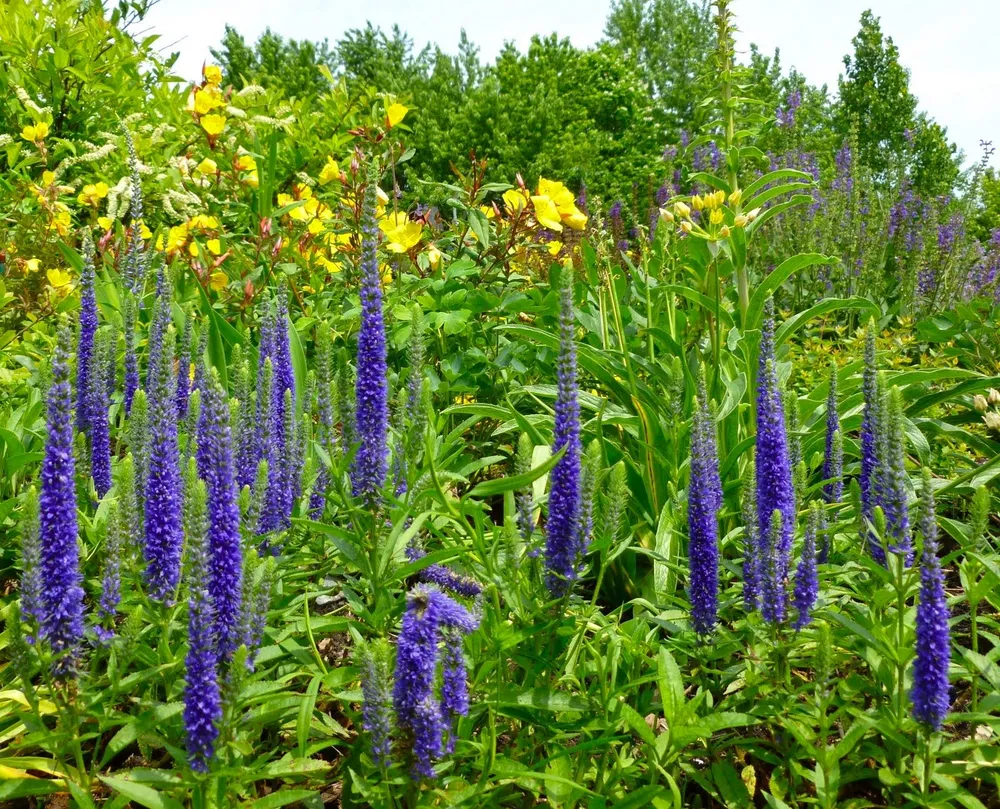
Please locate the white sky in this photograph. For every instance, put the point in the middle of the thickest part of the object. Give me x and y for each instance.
(948, 47)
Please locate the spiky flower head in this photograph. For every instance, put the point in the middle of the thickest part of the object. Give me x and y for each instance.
(111, 575)
(31, 578)
(131, 358)
(225, 552)
(371, 462)
(931, 691)
(806, 578)
(751, 538)
(376, 688)
(775, 490)
(871, 425)
(202, 700)
(563, 524)
(773, 568)
(61, 620)
(704, 502)
(184, 370)
(134, 270)
(163, 501)
(833, 455)
(97, 406)
(894, 499)
(88, 329)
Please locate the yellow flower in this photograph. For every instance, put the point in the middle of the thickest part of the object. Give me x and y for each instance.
(213, 74)
(285, 199)
(716, 216)
(176, 238)
(329, 172)
(697, 202)
(682, 210)
(193, 249)
(219, 280)
(207, 166)
(515, 199)
(213, 125)
(203, 221)
(554, 247)
(207, 99)
(61, 223)
(36, 133)
(105, 222)
(546, 212)
(395, 113)
(93, 194)
(740, 221)
(487, 211)
(214, 247)
(576, 220)
(563, 199)
(246, 162)
(32, 265)
(49, 177)
(434, 256)
(735, 197)
(58, 278)
(144, 231)
(401, 234)
(251, 179)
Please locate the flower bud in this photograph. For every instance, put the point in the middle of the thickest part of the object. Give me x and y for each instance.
(994, 396)
(682, 210)
(992, 421)
(735, 197)
(979, 402)
(753, 214)
(716, 216)
(740, 221)
(686, 226)
(724, 231)
(697, 202)
(666, 216)
(720, 198)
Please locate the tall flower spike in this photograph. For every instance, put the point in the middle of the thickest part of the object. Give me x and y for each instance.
(772, 565)
(894, 504)
(325, 437)
(88, 329)
(833, 455)
(751, 539)
(131, 358)
(345, 405)
(62, 593)
(525, 498)
(202, 700)
(704, 502)
(376, 690)
(257, 603)
(416, 412)
(97, 407)
(284, 375)
(371, 463)
(930, 695)
(454, 684)
(164, 535)
(31, 580)
(184, 370)
(563, 524)
(111, 577)
(870, 426)
(806, 579)
(225, 552)
(244, 437)
(775, 491)
(135, 258)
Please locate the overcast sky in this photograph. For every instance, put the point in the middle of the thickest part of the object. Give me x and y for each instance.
(949, 48)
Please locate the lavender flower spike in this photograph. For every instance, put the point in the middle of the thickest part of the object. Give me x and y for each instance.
(225, 562)
(163, 525)
(930, 695)
(806, 579)
(88, 329)
(704, 502)
(562, 527)
(97, 406)
(62, 594)
(894, 501)
(371, 462)
(775, 491)
(870, 462)
(376, 711)
(202, 700)
(833, 456)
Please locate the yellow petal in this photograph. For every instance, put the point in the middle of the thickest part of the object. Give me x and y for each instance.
(246, 162)
(41, 130)
(515, 199)
(329, 172)
(28, 133)
(105, 222)
(32, 264)
(144, 231)
(193, 249)
(207, 166)
(213, 124)
(214, 247)
(58, 278)
(218, 280)
(546, 212)
(577, 220)
(560, 195)
(49, 177)
(213, 74)
(554, 247)
(395, 113)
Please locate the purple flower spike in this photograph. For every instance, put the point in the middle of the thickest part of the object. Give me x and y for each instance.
(563, 524)
(371, 462)
(704, 502)
(88, 329)
(62, 595)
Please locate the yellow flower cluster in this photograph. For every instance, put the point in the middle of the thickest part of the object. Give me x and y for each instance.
(554, 206)
(181, 235)
(92, 194)
(206, 98)
(35, 133)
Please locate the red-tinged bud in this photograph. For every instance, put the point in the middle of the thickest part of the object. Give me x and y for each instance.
(265, 226)
(277, 247)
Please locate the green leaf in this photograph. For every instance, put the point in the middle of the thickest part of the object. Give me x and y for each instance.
(775, 279)
(305, 715)
(797, 321)
(542, 699)
(282, 797)
(489, 488)
(140, 793)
